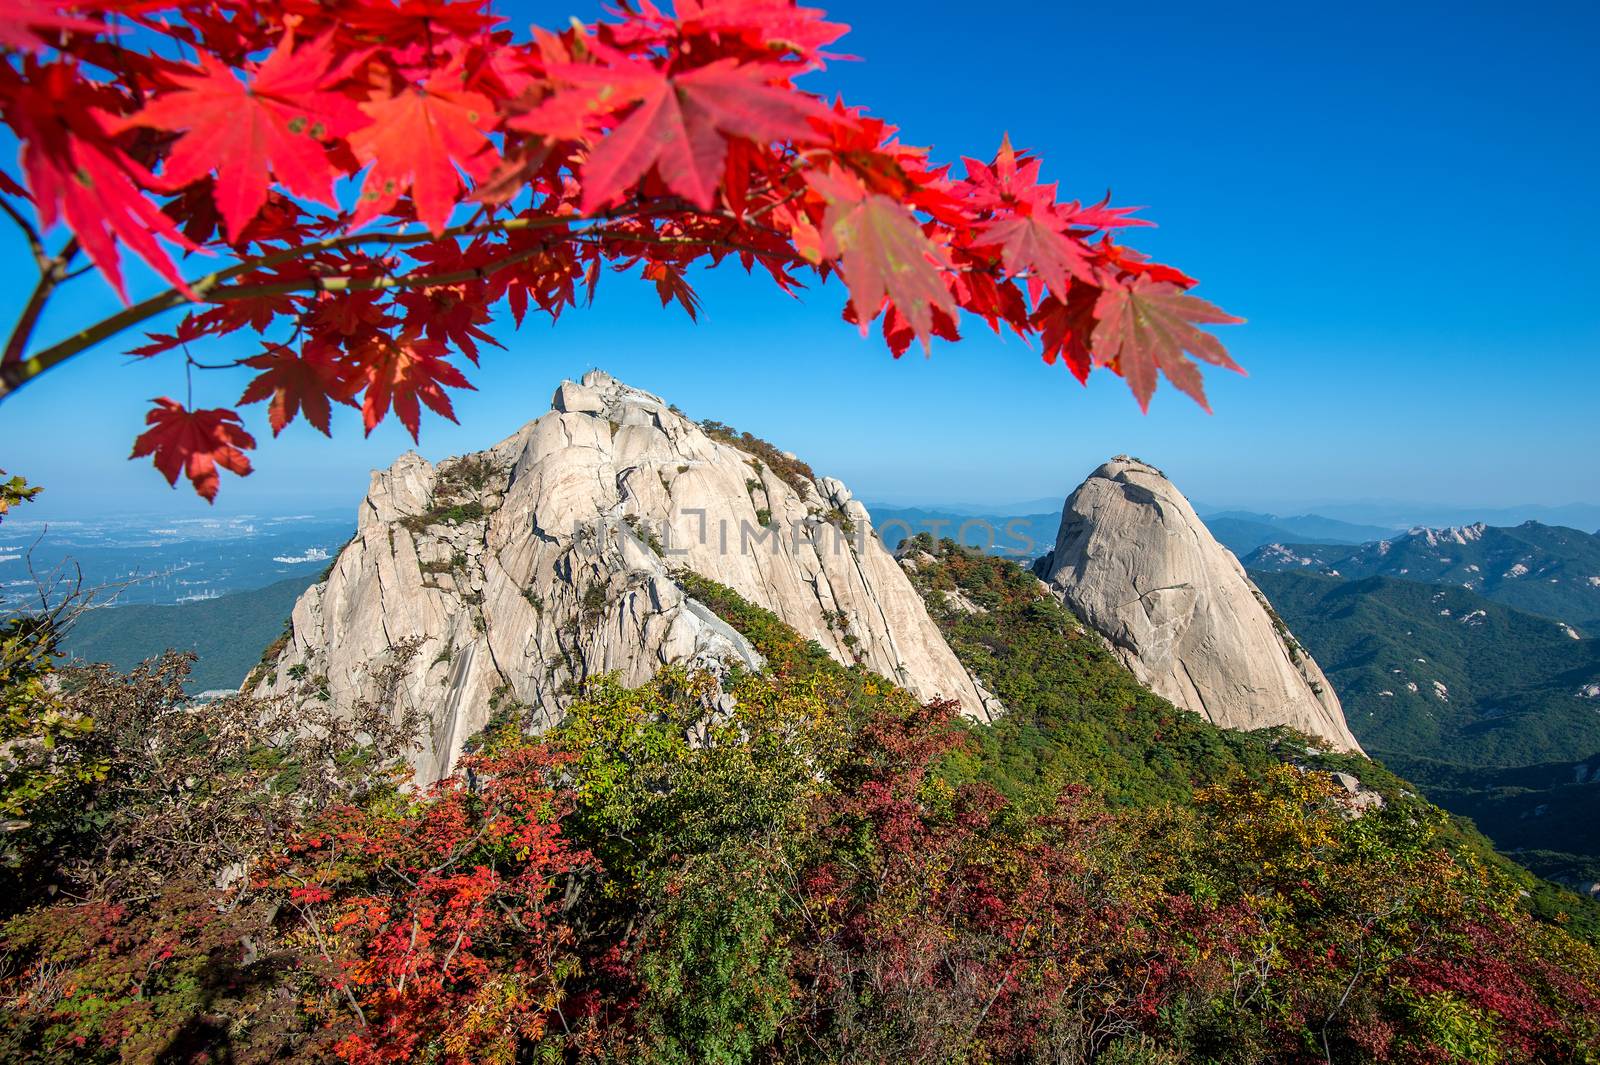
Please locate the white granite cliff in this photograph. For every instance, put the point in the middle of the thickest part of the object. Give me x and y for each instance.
(514, 573)
(1136, 563)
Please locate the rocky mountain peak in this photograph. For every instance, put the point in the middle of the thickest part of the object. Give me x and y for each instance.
(1454, 534)
(502, 579)
(1136, 563)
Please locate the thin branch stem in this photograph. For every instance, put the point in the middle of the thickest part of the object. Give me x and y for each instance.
(348, 283)
(51, 273)
(35, 243)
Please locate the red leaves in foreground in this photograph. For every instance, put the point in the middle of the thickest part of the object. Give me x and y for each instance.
(680, 126)
(295, 382)
(249, 133)
(404, 370)
(664, 142)
(1148, 325)
(194, 443)
(78, 172)
(416, 140)
(882, 254)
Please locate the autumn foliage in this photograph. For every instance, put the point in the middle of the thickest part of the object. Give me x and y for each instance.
(804, 865)
(360, 184)
(442, 927)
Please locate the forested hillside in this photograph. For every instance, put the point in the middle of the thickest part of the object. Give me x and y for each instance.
(226, 634)
(1493, 711)
(1440, 671)
(803, 865)
(1543, 569)
(1075, 713)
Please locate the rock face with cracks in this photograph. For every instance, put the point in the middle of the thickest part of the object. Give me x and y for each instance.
(1136, 563)
(504, 578)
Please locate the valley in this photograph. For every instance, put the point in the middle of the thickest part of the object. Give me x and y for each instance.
(1491, 710)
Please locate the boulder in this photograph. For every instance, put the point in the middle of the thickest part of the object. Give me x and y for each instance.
(1134, 561)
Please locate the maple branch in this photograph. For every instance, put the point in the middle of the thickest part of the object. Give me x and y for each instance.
(35, 242)
(51, 273)
(16, 371)
(698, 242)
(358, 283)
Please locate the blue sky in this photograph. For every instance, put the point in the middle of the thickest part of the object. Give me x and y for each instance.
(1400, 198)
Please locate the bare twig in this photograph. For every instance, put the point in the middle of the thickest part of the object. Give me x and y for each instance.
(35, 243)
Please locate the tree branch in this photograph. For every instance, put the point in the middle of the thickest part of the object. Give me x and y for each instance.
(348, 283)
(35, 243)
(51, 273)
(18, 371)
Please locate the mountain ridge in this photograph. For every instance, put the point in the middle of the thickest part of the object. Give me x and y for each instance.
(1543, 569)
(511, 575)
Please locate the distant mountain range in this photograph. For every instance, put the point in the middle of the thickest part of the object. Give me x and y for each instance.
(1378, 517)
(1243, 531)
(1545, 569)
(1397, 514)
(1027, 534)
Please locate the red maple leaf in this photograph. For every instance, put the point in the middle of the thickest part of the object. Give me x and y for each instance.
(296, 382)
(1011, 179)
(1032, 243)
(275, 125)
(679, 126)
(672, 285)
(189, 330)
(21, 19)
(882, 252)
(1148, 325)
(1126, 260)
(402, 370)
(764, 25)
(1101, 215)
(1065, 328)
(416, 140)
(77, 172)
(194, 442)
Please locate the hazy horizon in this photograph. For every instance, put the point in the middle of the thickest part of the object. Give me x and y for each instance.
(78, 502)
